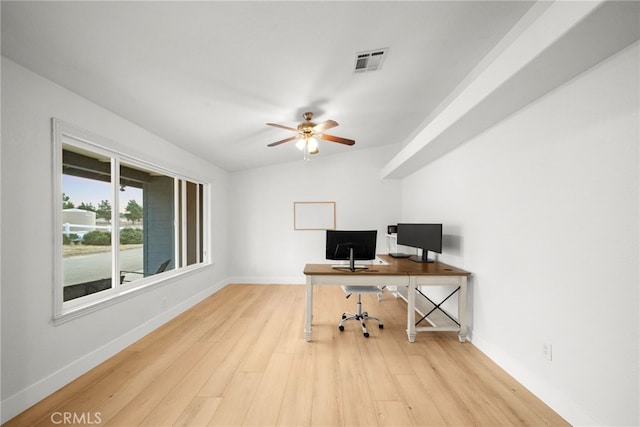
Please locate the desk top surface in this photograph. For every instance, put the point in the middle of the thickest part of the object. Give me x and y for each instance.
(395, 267)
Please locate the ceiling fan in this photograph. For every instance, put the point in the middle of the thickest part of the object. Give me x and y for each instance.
(308, 132)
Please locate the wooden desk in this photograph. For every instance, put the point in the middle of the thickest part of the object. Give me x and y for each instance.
(397, 272)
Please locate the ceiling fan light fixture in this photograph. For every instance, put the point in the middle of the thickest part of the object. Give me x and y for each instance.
(307, 145)
(312, 143)
(308, 134)
(306, 152)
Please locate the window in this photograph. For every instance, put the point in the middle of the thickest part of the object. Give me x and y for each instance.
(124, 224)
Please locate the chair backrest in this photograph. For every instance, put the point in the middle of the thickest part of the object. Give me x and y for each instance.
(163, 266)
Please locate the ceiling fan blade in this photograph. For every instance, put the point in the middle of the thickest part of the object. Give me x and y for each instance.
(282, 141)
(337, 139)
(282, 127)
(325, 125)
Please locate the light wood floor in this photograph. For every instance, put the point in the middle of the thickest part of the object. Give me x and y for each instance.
(240, 358)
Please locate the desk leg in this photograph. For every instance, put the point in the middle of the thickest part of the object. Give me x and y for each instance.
(462, 309)
(309, 309)
(411, 310)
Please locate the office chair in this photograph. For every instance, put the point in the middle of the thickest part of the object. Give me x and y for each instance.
(359, 314)
(160, 269)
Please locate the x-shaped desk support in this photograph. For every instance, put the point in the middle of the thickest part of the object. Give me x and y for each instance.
(437, 306)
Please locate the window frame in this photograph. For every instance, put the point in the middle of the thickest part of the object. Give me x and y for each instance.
(65, 134)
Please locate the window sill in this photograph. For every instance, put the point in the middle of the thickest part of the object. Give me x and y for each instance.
(94, 306)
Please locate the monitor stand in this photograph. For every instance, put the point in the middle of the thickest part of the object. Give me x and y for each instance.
(352, 264)
(421, 258)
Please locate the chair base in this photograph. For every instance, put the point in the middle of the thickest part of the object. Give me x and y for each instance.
(360, 316)
(363, 318)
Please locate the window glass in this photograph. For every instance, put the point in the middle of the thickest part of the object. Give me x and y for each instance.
(131, 229)
(86, 224)
(190, 217)
(192, 223)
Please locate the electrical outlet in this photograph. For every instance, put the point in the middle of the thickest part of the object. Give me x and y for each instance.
(546, 351)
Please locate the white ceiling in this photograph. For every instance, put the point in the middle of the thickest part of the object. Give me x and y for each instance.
(208, 75)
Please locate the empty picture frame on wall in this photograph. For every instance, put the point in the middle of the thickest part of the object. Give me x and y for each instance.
(314, 215)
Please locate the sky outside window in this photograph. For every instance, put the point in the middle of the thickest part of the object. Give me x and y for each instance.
(83, 190)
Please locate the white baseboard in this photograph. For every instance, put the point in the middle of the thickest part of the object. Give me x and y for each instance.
(15, 404)
(262, 280)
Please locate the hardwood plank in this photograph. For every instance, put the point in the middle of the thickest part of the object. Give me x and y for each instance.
(379, 377)
(266, 404)
(269, 331)
(327, 400)
(237, 400)
(392, 413)
(358, 405)
(294, 321)
(199, 412)
(417, 397)
(394, 354)
(378, 371)
(236, 347)
(176, 400)
(224, 311)
(296, 405)
(450, 405)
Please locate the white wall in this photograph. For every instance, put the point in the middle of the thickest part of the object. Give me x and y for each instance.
(263, 246)
(38, 357)
(543, 209)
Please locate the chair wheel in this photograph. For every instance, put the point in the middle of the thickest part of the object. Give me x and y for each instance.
(366, 334)
(344, 316)
(341, 327)
(381, 326)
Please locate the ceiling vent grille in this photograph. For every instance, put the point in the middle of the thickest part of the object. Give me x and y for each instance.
(370, 60)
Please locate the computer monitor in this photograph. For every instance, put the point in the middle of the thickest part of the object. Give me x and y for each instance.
(351, 245)
(427, 237)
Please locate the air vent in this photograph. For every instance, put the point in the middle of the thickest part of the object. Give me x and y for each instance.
(370, 60)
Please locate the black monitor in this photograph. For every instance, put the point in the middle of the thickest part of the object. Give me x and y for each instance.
(351, 245)
(427, 237)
